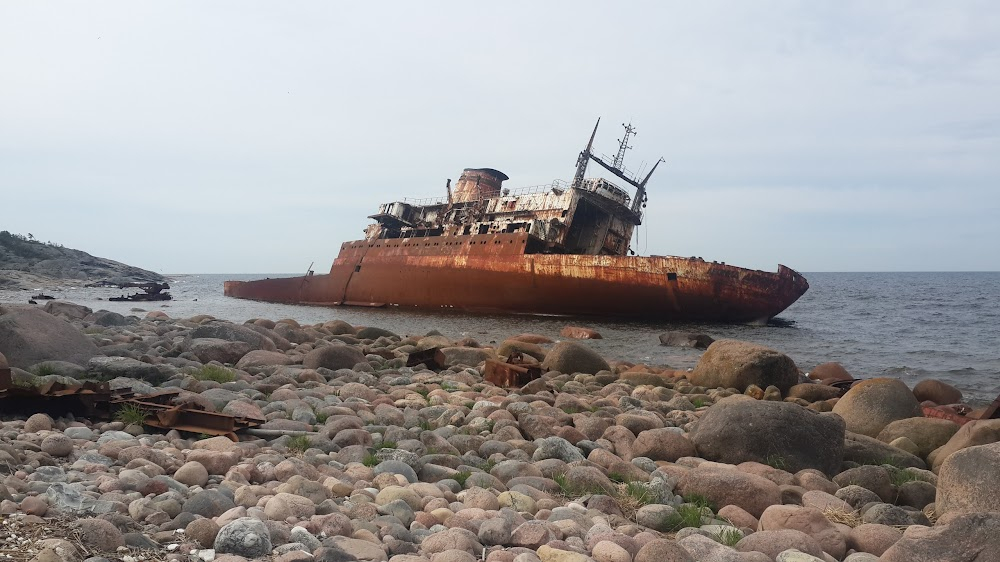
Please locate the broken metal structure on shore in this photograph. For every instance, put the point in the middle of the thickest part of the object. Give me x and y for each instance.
(96, 400)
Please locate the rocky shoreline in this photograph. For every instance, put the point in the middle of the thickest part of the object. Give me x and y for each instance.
(743, 458)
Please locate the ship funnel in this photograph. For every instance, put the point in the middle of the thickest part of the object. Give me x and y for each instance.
(478, 183)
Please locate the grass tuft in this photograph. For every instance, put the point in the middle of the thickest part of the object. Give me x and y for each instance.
(461, 477)
(214, 373)
(776, 461)
(370, 460)
(729, 536)
(299, 443)
(43, 369)
(131, 414)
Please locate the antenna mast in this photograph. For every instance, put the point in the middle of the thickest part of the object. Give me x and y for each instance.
(623, 146)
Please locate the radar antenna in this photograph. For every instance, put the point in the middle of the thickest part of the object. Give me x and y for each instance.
(623, 146)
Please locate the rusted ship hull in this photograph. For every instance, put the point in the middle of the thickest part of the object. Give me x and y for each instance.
(491, 273)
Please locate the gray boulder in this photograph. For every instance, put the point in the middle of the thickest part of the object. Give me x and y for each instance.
(969, 482)
(736, 431)
(29, 336)
(67, 310)
(233, 332)
(572, 357)
(107, 368)
(246, 537)
(333, 357)
(216, 349)
(739, 364)
(862, 449)
(108, 318)
(686, 339)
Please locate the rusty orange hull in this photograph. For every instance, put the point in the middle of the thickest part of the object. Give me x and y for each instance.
(491, 273)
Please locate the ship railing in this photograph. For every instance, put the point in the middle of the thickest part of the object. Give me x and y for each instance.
(425, 201)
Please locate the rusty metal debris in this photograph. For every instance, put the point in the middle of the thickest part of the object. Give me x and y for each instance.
(89, 399)
(97, 400)
(960, 414)
(512, 373)
(162, 413)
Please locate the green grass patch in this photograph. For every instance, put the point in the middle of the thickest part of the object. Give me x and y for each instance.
(321, 417)
(370, 460)
(461, 477)
(214, 373)
(688, 515)
(900, 476)
(698, 402)
(386, 445)
(43, 369)
(776, 461)
(729, 536)
(299, 443)
(131, 414)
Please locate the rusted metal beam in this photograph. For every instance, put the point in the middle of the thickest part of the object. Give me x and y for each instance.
(512, 373)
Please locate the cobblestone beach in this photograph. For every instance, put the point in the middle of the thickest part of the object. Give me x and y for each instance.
(746, 457)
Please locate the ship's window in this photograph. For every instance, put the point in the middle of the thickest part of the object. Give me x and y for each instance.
(671, 276)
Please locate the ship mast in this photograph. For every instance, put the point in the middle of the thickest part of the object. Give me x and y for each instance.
(616, 168)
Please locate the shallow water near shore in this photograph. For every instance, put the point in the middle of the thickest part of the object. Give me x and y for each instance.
(906, 325)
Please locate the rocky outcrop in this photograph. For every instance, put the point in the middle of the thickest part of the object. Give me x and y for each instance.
(27, 264)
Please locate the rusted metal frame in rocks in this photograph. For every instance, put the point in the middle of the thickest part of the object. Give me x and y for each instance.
(512, 373)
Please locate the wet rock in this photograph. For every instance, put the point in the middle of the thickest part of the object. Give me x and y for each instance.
(748, 430)
(870, 405)
(936, 391)
(738, 364)
(686, 339)
(579, 333)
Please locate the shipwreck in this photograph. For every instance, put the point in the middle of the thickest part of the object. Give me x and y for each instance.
(561, 248)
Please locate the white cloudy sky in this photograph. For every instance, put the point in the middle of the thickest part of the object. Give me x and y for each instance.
(228, 137)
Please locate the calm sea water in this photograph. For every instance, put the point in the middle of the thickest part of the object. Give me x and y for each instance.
(906, 325)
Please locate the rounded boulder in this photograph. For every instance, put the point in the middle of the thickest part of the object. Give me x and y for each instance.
(870, 405)
(736, 431)
(571, 357)
(333, 357)
(739, 364)
(969, 482)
